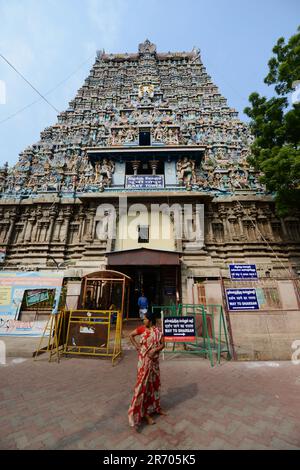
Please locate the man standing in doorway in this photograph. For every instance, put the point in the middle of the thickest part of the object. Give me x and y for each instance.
(143, 305)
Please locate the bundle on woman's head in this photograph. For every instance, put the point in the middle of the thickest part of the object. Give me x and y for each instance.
(151, 316)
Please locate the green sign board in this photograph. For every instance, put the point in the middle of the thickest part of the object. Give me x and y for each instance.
(36, 296)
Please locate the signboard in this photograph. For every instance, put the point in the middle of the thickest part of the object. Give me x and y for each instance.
(242, 299)
(243, 271)
(145, 181)
(179, 329)
(5, 296)
(36, 296)
(12, 288)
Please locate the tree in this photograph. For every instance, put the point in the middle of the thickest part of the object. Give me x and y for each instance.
(276, 127)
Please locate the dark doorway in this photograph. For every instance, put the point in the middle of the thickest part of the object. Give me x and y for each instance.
(144, 138)
(159, 283)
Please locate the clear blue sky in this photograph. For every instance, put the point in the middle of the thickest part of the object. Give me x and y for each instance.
(47, 40)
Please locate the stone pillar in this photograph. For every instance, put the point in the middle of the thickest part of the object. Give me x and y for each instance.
(223, 217)
(57, 228)
(35, 234)
(46, 225)
(92, 225)
(190, 285)
(232, 224)
(53, 214)
(241, 227)
(29, 229)
(23, 234)
(135, 166)
(4, 230)
(38, 230)
(81, 227)
(209, 219)
(64, 234)
(154, 165)
(12, 221)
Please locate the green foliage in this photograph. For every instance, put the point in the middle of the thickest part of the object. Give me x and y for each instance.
(276, 149)
(284, 68)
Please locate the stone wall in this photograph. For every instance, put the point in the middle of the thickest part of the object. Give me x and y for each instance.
(261, 335)
(33, 231)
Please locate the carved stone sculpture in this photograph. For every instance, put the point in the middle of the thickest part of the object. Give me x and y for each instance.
(104, 171)
(186, 172)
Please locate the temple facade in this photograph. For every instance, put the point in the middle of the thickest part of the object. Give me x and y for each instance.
(146, 173)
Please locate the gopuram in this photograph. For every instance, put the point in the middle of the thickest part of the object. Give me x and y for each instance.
(150, 129)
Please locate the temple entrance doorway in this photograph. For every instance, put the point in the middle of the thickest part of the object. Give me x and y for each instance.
(155, 272)
(159, 284)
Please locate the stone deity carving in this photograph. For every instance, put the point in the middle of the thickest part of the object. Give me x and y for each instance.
(104, 171)
(186, 172)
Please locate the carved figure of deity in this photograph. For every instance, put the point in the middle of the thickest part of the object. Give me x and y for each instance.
(238, 180)
(172, 136)
(104, 171)
(158, 134)
(72, 163)
(130, 135)
(46, 166)
(186, 172)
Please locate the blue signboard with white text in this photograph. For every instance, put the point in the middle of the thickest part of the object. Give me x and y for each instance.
(144, 181)
(242, 299)
(243, 271)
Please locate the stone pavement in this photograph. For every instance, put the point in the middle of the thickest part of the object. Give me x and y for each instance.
(82, 404)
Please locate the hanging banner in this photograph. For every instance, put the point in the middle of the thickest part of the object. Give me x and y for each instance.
(243, 271)
(12, 288)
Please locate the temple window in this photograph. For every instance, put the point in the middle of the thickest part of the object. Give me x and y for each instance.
(144, 138)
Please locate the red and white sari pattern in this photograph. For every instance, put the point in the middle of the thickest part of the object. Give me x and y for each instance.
(146, 397)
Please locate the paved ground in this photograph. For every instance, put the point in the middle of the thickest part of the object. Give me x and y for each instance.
(82, 404)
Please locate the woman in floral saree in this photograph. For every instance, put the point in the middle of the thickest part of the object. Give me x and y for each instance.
(146, 397)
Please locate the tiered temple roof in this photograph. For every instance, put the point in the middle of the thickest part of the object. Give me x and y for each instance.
(170, 94)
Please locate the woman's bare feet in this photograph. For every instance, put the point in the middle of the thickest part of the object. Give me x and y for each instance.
(149, 419)
(162, 413)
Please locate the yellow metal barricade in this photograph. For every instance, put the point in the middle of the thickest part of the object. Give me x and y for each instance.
(51, 334)
(94, 333)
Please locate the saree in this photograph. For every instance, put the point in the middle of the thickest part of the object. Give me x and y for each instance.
(146, 397)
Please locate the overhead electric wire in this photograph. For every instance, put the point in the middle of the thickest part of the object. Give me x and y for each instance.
(30, 84)
(47, 93)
